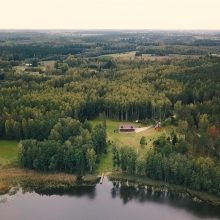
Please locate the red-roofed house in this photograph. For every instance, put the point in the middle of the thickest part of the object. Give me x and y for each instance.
(126, 128)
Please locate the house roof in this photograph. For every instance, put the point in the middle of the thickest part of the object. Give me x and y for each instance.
(126, 126)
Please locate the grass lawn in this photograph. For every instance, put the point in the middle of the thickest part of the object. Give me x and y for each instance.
(126, 139)
(8, 152)
(106, 163)
(130, 139)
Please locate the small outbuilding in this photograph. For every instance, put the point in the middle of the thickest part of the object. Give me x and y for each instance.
(126, 128)
(158, 126)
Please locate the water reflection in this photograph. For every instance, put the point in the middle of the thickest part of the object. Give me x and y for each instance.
(143, 193)
(3, 199)
(76, 191)
(111, 200)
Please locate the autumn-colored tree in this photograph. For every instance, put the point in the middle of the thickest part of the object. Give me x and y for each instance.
(213, 132)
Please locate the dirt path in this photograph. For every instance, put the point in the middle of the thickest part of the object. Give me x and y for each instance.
(137, 130)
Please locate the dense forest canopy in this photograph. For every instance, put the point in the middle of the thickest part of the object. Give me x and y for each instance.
(50, 87)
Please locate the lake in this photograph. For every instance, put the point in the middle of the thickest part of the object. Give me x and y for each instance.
(107, 201)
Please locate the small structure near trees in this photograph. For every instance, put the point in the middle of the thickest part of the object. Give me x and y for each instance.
(158, 126)
(126, 128)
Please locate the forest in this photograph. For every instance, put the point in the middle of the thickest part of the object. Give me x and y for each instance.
(51, 90)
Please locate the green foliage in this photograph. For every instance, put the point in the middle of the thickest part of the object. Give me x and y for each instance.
(181, 146)
(115, 157)
(142, 141)
(64, 129)
(70, 148)
(50, 109)
(109, 65)
(199, 174)
(125, 158)
(35, 62)
(91, 159)
(99, 138)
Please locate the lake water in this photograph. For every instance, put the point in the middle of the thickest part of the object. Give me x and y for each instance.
(108, 201)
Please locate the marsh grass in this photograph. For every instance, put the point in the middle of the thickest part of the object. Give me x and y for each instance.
(10, 177)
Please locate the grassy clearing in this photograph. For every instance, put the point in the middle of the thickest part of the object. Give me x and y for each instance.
(49, 63)
(19, 69)
(126, 55)
(130, 139)
(126, 139)
(106, 163)
(8, 152)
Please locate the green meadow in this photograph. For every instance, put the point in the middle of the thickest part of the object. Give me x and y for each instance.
(8, 152)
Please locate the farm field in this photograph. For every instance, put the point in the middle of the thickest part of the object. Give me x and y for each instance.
(128, 56)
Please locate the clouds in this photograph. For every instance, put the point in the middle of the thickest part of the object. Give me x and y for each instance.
(122, 14)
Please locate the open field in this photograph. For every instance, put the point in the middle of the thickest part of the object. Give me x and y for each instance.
(49, 63)
(8, 152)
(128, 56)
(19, 69)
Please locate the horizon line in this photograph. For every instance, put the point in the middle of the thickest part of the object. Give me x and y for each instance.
(107, 29)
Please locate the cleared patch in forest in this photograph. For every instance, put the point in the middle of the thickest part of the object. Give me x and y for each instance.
(131, 139)
(8, 152)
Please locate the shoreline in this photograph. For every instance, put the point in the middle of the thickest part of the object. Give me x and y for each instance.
(41, 182)
(49, 183)
(159, 186)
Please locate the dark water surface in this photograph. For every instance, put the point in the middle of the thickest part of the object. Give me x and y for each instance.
(109, 201)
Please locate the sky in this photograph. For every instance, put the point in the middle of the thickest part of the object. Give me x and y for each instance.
(110, 14)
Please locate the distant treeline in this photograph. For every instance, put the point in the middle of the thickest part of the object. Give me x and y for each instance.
(20, 52)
